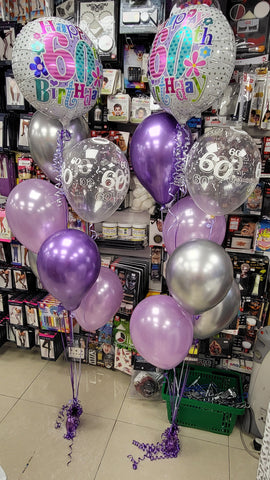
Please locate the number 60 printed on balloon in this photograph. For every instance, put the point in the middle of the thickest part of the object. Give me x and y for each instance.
(95, 178)
(191, 61)
(57, 68)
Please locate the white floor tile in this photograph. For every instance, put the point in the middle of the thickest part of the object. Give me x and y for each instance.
(18, 368)
(198, 459)
(242, 465)
(32, 449)
(101, 391)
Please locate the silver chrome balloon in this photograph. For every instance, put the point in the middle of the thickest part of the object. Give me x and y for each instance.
(43, 140)
(219, 317)
(199, 274)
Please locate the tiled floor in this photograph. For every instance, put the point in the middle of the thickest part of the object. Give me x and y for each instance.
(33, 390)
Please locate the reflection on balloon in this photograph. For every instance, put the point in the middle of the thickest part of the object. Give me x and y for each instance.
(185, 221)
(33, 213)
(153, 154)
(43, 140)
(219, 317)
(57, 68)
(101, 302)
(223, 168)
(199, 274)
(186, 73)
(95, 178)
(68, 265)
(161, 330)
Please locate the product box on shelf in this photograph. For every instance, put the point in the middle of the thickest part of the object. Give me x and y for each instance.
(3, 329)
(105, 355)
(52, 315)
(240, 233)
(262, 238)
(10, 330)
(3, 302)
(251, 272)
(23, 279)
(51, 344)
(123, 360)
(16, 308)
(25, 337)
(121, 333)
(5, 254)
(32, 309)
(253, 204)
(78, 348)
(6, 278)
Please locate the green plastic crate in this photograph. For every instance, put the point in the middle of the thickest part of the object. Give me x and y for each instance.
(204, 415)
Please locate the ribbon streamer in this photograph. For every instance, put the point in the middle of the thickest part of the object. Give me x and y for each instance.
(183, 142)
(62, 136)
(73, 409)
(169, 447)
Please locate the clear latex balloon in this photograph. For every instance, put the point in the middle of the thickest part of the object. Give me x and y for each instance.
(199, 274)
(57, 68)
(222, 170)
(43, 140)
(191, 61)
(219, 317)
(95, 178)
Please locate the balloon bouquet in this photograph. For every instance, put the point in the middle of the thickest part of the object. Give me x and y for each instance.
(59, 72)
(190, 64)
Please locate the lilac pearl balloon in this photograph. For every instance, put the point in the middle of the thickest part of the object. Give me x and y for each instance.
(161, 330)
(185, 221)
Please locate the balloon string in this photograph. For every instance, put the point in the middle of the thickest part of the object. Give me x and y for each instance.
(73, 409)
(62, 136)
(169, 447)
(210, 225)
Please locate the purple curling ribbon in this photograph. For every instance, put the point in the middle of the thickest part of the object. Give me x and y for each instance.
(62, 136)
(183, 142)
(73, 409)
(169, 447)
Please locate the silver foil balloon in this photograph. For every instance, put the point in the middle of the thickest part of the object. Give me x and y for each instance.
(219, 317)
(199, 274)
(43, 140)
(32, 257)
(95, 178)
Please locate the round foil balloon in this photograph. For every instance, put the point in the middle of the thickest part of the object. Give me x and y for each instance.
(57, 68)
(219, 317)
(185, 221)
(199, 274)
(191, 61)
(222, 170)
(95, 178)
(43, 140)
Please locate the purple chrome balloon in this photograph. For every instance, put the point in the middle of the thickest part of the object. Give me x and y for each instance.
(33, 212)
(185, 221)
(68, 264)
(101, 302)
(153, 156)
(161, 330)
